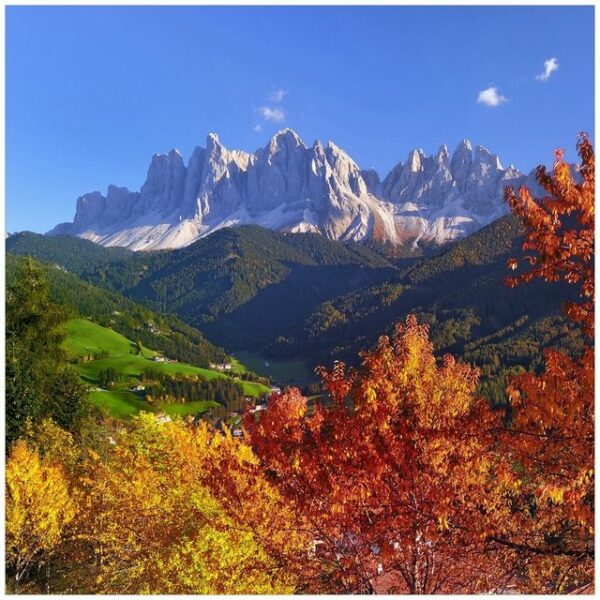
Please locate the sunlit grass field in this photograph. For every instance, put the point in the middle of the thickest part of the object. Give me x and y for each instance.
(86, 338)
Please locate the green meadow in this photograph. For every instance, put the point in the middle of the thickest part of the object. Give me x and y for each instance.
(85, 338)
(124, 404)
(120, 405)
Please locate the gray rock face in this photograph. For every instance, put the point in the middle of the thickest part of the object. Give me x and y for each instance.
(289, 186)
(163, 188)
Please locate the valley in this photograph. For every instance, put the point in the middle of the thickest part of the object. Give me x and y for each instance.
(116, 368)
(297, 301)
(94, 350)
(293, 371)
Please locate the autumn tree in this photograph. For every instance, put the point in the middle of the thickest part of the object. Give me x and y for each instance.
(146, 507)
(160, 514)
(551, 436)
(38, 508)
(395, 474)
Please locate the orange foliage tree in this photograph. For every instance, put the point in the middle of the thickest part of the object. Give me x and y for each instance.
(395, 476)
(551, 437)
(559, 230)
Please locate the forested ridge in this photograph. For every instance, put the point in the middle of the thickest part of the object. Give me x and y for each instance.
(165, 333)
(300, 295)
(240, 286)
(460, 293)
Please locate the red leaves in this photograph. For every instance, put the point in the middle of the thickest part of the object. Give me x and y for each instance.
(551, 437)
(404, 471)
(397, 460)
(559, 238)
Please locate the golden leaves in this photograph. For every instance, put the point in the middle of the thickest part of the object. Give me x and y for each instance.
(38, 507)
(162, 496)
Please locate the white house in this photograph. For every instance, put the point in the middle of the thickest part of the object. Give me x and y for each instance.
(137, 388)
(220, 366)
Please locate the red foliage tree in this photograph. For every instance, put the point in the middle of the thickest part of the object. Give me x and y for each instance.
(395, 476)
(559, 230)
(551, 437)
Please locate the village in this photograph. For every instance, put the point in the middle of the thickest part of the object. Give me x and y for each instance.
(232, 419)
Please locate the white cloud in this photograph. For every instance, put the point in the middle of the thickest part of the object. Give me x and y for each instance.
(277, 95)
(272, 113)
(550, 66)
(491, 97)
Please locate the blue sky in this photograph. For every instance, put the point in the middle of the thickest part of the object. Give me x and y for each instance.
(93, 92)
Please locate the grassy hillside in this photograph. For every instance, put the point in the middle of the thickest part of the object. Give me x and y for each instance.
(86, 338)
(120, 405)
(240, 286)
(165, 333)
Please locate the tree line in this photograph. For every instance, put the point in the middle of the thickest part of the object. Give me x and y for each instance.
(168, 389)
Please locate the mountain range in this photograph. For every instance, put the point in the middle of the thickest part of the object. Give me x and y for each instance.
(289, 186)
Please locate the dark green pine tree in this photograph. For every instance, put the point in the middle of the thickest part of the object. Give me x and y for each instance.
(38, 382)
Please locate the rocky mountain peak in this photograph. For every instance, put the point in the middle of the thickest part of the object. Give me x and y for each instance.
(464, 147)
(114, 190)
(442, 156)
(483, 155)
(285, 139)
(288, 186)
(213, 144)
(415, 161)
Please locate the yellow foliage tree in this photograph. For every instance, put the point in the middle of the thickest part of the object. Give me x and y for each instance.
(38, 508)
(155, 518)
